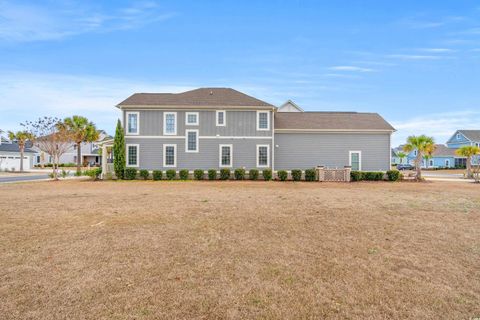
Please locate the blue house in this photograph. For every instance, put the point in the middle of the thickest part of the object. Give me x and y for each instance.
(465, 138)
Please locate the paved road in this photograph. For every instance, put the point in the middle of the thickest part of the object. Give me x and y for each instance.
(23, 178)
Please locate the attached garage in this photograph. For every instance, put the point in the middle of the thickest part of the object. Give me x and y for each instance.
(10, 157)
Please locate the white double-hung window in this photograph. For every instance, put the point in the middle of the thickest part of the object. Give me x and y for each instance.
(225, 156)
(263, 120)
(355, 160)
(132, 122)
(169, 155)
(263, 155)
(191, 143)
(191, 118)
(132, 155)
(220, 118)
(170, 123)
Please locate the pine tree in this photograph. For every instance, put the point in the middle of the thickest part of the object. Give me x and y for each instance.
(119, 152)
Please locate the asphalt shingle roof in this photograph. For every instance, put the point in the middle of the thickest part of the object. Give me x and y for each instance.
(13, 147)
(473, 135)
(331, 121)
(203, 97)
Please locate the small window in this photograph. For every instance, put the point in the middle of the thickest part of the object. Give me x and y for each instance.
(192, 141)
(430, 163)
(447, 163)
(263, 155)
(263, 120)
(191, 118)
(170, 155)
(220, 116)
(132, 155)
(356, 160)
(132, 122)
(459, 136)
(170, 123)
(415, 153)
(225, 155)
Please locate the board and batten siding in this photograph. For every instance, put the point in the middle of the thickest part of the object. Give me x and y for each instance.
(244, 153)
(308, 150)
(238, 123)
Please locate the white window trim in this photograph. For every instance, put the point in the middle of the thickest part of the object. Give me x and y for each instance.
(268, 156)
(359, 159)
(165, 156)
(258, 121)
(138, 155)
(128, 122)
(220, 146)
(186, 118)
(459, 136)
(224, 118)
(165, 124)
(186, 141)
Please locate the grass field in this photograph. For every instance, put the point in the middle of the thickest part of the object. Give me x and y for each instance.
(235, 250)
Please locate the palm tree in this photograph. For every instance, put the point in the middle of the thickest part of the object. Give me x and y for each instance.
(468, 152)
(401, 155)
(423, 145)
(21, 137)
(81, 131)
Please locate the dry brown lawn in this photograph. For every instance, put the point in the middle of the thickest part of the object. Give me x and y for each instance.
(235, 250)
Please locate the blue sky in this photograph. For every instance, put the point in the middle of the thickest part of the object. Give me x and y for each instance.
(414, 62)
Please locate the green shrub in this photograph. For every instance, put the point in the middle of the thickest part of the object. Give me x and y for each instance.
(253, 174)
(310, 175)
(373, 176)
(239, 174)
(224, 174)
(356, 176)
(183, 174)
(144, 174)
(64, 174)
(212, 174)
(130, 173)
(199, 174)
(267, 174)
(171, 174)
(393, 175)
(282, 175)
(157, 175)
(296, 175)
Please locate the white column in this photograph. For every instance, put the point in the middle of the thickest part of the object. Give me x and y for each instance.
(104, 160)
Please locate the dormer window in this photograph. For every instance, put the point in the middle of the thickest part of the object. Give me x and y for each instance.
(459, 136)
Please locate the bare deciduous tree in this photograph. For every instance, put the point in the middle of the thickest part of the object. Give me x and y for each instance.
(50, 136)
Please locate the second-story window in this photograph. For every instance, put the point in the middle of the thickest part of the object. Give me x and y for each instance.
(263, 121)
(170, 123)
(191, 118)
(132, 122)
(220, 118)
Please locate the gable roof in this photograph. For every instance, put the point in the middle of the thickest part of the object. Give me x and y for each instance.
(336, 121)
(290, 103)
(472, 135)
(13, 147)
(202, 97)
(443, 151)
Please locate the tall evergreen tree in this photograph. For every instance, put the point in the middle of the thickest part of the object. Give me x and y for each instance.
(119, 151)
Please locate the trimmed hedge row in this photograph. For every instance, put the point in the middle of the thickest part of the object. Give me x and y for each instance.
(391, 175)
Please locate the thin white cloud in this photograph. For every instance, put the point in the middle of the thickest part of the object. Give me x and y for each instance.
(342, 75)
(437, 50)
(31, 22)
(351, 68)
(27, 96)
(440, 126)
(414, 57)
(425, 23)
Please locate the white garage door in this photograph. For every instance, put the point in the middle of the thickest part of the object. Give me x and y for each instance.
(12, 163)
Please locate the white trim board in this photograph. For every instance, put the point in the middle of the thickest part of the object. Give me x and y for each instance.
(201, 137)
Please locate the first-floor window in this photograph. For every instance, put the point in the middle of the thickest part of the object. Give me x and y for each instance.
(192, 141)
(169, 155)
(262, 155)
(356, 160)
(225, 155)
(447, 163)
(132, 155)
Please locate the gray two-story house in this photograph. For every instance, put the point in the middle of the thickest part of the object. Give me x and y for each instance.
(215, 128)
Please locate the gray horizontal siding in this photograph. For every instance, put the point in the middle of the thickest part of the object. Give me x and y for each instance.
(151, 153)
(239, 123)
(307, 150)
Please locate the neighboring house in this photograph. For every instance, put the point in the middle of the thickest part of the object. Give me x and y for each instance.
(289, 106)
(10, 156)
(443, 157)
(464, 138)
(214, 128)
(90, 153)
(395, 158)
